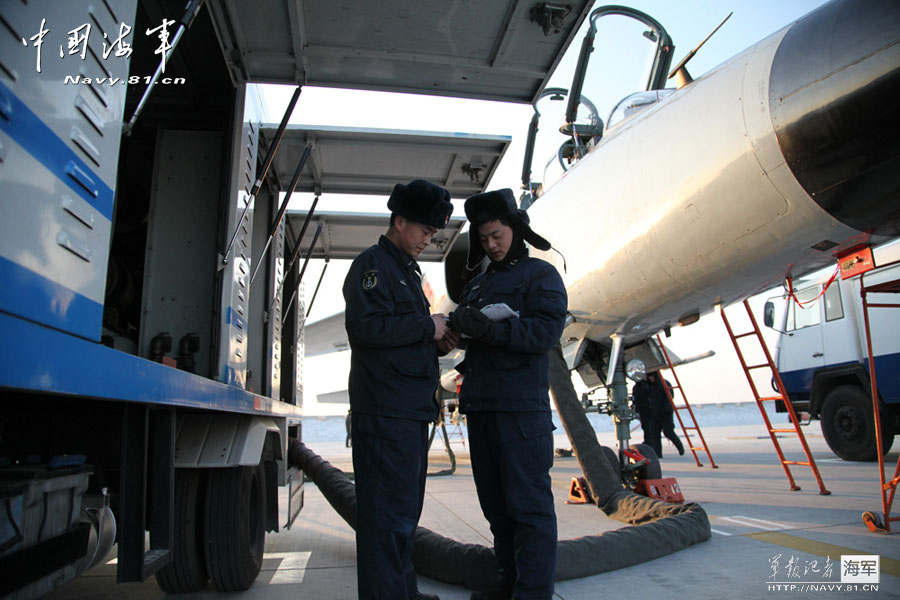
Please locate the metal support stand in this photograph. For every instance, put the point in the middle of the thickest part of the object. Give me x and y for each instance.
(888, 488)
(434, 427)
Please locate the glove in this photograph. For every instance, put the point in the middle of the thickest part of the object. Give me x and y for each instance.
(473, 323)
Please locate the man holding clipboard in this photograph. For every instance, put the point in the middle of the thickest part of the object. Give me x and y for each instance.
(513, 314)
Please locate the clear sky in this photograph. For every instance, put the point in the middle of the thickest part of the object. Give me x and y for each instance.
(618, 68)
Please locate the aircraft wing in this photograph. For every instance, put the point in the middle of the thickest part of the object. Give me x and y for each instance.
(328, 335)
(325, 336)
(500, 50)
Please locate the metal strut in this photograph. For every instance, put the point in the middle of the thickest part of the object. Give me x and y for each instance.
(687, 407)
(296, 252)
(264, 171)
(190, 12)
(316, 292)
(303, 269)
(782, 396)
(282, 209)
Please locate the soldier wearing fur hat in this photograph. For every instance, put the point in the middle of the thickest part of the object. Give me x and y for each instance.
(393, 376)
(505, 391)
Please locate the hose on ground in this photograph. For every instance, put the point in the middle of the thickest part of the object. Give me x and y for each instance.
(655, 528)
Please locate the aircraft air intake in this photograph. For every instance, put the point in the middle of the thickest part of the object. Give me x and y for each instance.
(833, 106)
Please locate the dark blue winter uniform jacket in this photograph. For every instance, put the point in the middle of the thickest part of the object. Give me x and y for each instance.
(394, 365)
(510, 372)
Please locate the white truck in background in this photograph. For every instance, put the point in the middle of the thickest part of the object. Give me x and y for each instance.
(822, 358)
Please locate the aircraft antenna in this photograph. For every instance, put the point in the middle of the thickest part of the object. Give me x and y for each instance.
(680, 72)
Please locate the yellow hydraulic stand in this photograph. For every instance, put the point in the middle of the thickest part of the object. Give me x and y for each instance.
(687, 407)
(888, 488)
(769, 364)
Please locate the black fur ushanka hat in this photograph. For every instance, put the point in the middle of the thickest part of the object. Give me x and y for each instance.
(423, 202)
(490, 206)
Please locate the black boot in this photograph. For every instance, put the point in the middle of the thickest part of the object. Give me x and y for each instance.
(495, 592)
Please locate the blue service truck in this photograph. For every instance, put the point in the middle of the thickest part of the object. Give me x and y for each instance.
(149, 389)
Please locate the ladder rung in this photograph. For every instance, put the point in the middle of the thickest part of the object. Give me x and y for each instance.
(758, 366)
(697, 428)
(783, 430)
(771, 398)
(740, 335)
(795, 462)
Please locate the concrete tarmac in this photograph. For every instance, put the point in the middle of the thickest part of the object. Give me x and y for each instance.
(766, 539)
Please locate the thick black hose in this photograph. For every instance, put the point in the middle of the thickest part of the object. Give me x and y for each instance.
(434, 556)
(666, 528)
(656, 528)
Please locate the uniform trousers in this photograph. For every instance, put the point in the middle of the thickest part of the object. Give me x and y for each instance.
(389, 465)
(654, 430)
(512, 453)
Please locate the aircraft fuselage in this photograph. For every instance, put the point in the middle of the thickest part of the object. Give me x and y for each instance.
(765, 167)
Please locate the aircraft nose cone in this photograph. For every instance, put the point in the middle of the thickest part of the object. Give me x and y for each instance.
(833, 93)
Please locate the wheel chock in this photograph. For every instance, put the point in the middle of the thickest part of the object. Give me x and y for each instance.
(578, 492)
(666, 489)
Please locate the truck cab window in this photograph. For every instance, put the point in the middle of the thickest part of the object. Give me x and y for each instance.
(834, 308)
(804, 316)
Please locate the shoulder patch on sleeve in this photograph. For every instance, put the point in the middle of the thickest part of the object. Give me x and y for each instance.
(370, 279)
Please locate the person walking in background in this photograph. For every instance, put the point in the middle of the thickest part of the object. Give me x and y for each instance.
(661, 414)
(640, 401)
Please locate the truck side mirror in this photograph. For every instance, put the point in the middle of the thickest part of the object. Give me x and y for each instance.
(769, 314)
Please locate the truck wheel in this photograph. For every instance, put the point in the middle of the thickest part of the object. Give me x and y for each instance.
(187, 571)
(235, 526)
(651, 470)
(849, 425)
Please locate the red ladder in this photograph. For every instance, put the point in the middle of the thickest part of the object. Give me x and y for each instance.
(888, 488)
(770, 364)
(687, 407)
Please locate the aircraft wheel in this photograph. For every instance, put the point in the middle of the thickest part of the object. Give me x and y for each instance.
(235, 526)
(187, 572)
(651, 470)
(612, 458)
(849, 425)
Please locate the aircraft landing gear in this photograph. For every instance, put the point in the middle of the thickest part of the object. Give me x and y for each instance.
(634, 462)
